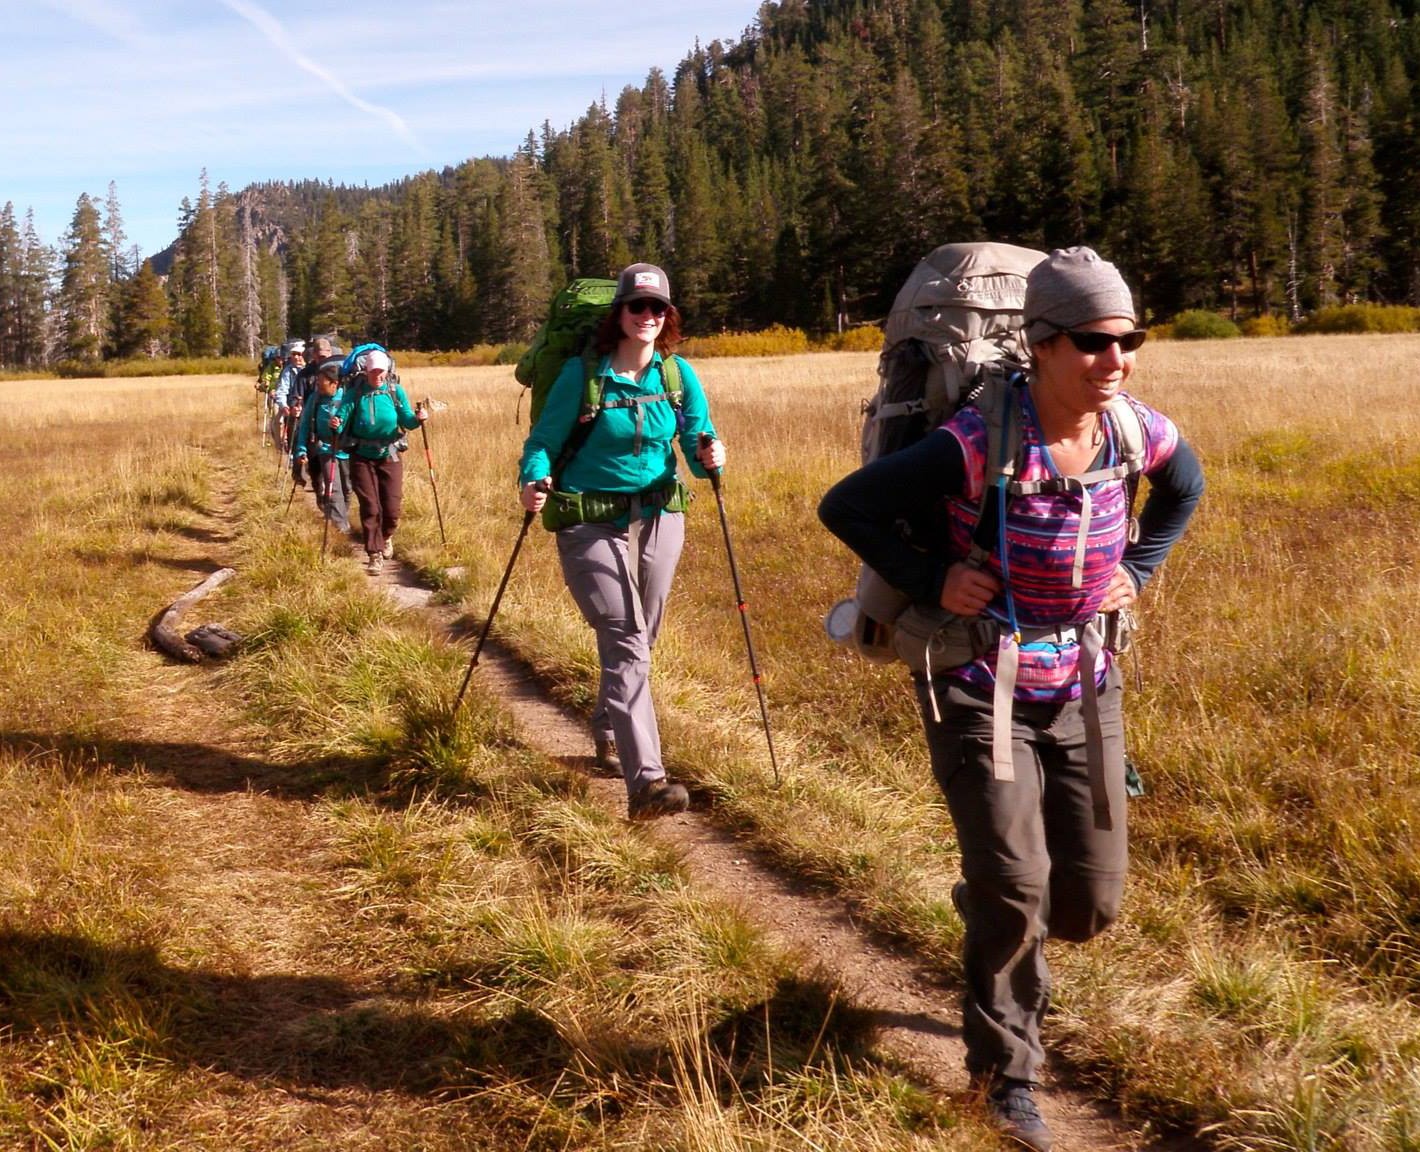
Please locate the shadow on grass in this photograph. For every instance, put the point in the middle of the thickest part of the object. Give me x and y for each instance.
(91, 558)
(203, 767)
(326, 1032)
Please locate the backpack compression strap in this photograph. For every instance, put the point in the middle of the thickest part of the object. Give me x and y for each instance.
(1129, 447)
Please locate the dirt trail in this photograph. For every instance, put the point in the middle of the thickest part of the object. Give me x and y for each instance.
(916, 1015)
(258, 863)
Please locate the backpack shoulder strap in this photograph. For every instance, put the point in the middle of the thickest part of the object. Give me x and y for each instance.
(1131, 444)
(996, 396)
(674, 379)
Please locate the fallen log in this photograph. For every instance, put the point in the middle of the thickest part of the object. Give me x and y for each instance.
(165, 631)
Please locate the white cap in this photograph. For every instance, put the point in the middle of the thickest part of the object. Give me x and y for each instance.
(374, 359)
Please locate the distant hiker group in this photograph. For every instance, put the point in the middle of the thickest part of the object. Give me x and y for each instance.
(342, 419)
(1002, 556)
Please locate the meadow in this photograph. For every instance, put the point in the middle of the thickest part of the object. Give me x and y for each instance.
(475, 957)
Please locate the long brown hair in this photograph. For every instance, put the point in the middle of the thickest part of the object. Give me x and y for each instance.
(609, 333)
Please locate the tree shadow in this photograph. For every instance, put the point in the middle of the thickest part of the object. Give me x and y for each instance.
(91, 558)
(205, 768)
(324, 1032)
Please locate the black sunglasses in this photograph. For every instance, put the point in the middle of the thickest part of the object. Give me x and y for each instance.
(1093, 343)
(637, 307)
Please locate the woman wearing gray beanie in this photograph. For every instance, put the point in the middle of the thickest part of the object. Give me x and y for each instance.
(1026, 737)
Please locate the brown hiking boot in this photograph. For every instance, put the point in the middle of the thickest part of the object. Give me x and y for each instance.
(606, 758)
(659, 798)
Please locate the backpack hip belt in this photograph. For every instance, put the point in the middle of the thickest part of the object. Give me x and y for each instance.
(387, 448)
(564, 509)
(953, 636)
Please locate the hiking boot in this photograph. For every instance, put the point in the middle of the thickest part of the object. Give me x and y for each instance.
(374, 563)
(388, 552)
(1013, 1111)
(606, 758)
(659, 798)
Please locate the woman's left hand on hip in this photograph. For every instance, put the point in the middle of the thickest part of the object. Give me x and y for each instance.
(1121, 592)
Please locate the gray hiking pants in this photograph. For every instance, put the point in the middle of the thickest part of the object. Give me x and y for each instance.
(1034, 862)
(330, 477)
(596, 566)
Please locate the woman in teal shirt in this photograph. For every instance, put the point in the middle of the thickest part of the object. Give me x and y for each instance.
(600, 465)
(371, 420)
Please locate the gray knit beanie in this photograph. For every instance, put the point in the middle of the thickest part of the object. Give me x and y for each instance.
(1070, 287)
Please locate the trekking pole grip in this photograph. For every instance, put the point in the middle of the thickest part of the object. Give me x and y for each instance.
(705, 441)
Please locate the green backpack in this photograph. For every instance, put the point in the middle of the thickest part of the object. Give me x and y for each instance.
(571, 321)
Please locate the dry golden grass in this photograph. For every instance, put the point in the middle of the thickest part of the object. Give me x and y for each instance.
(288, 903)
(1263, 979)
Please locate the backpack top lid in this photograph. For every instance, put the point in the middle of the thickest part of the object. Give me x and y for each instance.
(572, 320)
(953, 294)
(352, 362)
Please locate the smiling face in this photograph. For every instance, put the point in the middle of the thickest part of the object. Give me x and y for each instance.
(642, 320)
(1084, 382)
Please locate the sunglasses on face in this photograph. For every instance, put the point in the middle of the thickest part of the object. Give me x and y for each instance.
(1093, 343)
(640, 307)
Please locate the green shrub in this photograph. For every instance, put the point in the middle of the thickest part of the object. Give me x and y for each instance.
(510, 353)
(1197, 324)
(78, 369)
(1358, 318)
(1161, 332)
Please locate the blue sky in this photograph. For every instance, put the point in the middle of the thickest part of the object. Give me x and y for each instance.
(147, 93)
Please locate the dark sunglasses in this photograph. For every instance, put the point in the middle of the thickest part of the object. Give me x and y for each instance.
(655, 307)
(1093, 343)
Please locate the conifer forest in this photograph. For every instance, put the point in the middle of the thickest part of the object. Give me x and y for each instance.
(1251, 157)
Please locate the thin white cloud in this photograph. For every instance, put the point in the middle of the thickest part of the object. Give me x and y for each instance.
(271, 28)
(100, 14)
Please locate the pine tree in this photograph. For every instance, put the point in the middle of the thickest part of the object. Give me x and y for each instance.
(11, 280)
(32, 306)
(84, 286)
(523, 284)
(145, 326)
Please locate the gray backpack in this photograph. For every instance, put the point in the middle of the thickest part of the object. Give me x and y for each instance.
(955, 336)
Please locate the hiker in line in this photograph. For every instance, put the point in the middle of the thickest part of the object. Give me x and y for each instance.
(286, 416)
(319, 351)
(1041, 824)
(329, 463)
(618, 511)
(370, 421)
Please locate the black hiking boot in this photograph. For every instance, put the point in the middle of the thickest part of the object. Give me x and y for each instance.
(1014, 1112)
(606, 758)
(659, 798)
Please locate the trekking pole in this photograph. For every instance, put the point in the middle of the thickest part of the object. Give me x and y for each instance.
(497, 599)
(706, 439)
(433, 483)
(290, 499)
(283, 444)
(329, 483)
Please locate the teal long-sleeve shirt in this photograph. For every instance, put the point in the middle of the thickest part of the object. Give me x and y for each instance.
(314, 433)
(372, 419)
(611, 460)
